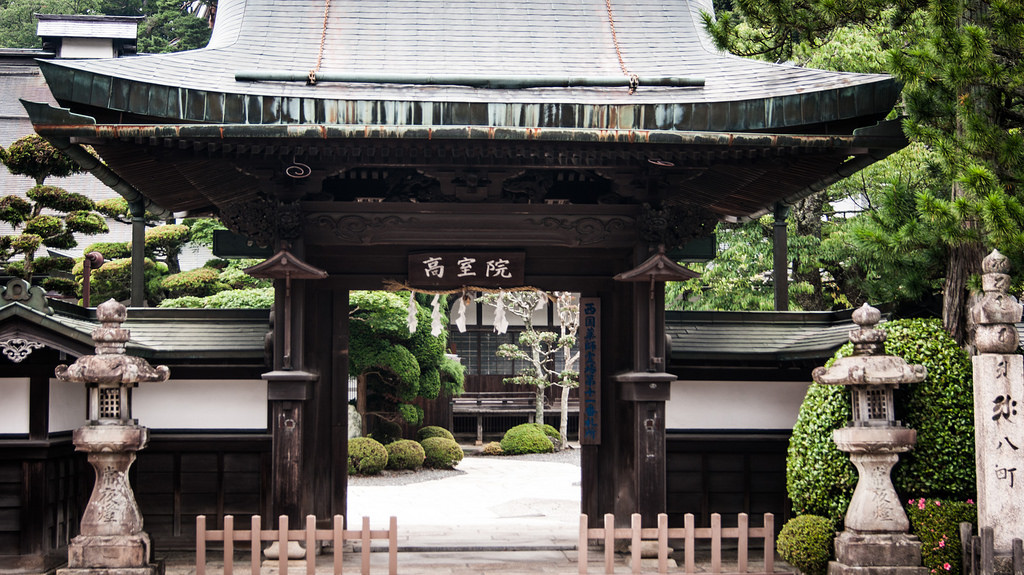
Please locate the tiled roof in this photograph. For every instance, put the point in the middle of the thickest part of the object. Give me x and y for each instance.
(777, 336)
(160, 334)
(563, 38)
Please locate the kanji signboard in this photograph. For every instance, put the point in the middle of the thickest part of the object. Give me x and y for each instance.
(459, 269)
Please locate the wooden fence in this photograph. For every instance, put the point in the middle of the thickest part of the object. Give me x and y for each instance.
(337, 535)
(978, 552)
(689, 534)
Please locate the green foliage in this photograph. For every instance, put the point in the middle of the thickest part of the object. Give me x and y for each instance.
(64, 286)
(34, 157)
(366, 456)
(200, 282)
(527, 438)
(44, 226)
(59, 199)
(259, 298)
(165, 243)
(820, 478)
(433, 431)
(116, 208)
(231, 274)
(14, 210)
(48, 264)
(109, 250)
(492, 448)
(405, 454)
(453, 377)
(171, 29)
(201, 230)
(398, 366)
(114, 279)
(441, 453)
(805, 542)
(937, 524)
(16, 269)
(84, 222)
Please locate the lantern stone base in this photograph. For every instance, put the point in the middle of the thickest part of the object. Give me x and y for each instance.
(877, 554)
(106, 552)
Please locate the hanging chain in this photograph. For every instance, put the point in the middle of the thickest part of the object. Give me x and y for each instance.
(634, 80)
(323, 42)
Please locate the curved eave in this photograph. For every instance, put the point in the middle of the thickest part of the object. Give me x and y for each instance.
(681, 109)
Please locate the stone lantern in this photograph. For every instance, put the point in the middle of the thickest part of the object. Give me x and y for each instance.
(876, 537)
(111, 539)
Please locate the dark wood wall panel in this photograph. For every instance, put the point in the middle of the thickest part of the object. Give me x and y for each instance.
(177, 478)
(727, 474)
(10, 507)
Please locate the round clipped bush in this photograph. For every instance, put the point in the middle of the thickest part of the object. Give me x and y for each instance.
(405, 454)
(492, 448)
(820, 478)
(441, 453)
(366, 456)
(526, 438)
(805, 542)
(433, 431)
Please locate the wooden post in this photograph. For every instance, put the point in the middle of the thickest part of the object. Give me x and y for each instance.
(200, 545)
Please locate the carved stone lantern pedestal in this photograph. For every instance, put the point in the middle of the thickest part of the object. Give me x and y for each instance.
(876, 525)
(111, 540)
(111, 530)
(876, 539)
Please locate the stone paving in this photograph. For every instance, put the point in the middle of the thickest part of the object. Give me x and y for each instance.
(501, 515)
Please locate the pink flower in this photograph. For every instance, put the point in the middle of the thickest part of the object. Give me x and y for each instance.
(920, 504)
(942, 543)
(938, 503)
(970, 501)
(946, 566)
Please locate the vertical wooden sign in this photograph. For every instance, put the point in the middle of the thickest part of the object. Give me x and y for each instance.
(590, 371)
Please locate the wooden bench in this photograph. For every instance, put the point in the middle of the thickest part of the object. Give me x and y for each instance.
(484, 403)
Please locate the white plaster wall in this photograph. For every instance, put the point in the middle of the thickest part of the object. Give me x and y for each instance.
(67, 405)
(15, 405)
(201, 404)
(734, 404)
(86, 48)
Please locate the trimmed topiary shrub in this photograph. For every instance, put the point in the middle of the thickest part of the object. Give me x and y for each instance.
(805, 542)
(200, 282)
(527, 438)
(820, 479)
(492, 448)
(937, 524)
(441, 453)
(64, 286)
(366, 456)
(405, 454)
(433, 431)
(110, 250)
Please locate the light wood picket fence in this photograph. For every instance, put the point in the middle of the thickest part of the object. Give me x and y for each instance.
(689, 534)
(255, 535)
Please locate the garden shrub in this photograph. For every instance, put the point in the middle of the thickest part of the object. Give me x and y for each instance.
(805, 542)
(937, 524)
(441, 453)
(433, 431)
(64, 286)
(492, 448)
(259, 298)
(48, 264)
(366, 456)
(110, 250)
(527, 438)
(405, 454)
(200, 282)
(820, 479)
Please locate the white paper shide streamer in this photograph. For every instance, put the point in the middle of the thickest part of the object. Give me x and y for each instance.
(411, 320)
(500, 321)
(460, 314)
(435, 316)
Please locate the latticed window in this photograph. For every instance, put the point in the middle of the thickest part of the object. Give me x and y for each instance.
(110, 403)
(877, 405)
